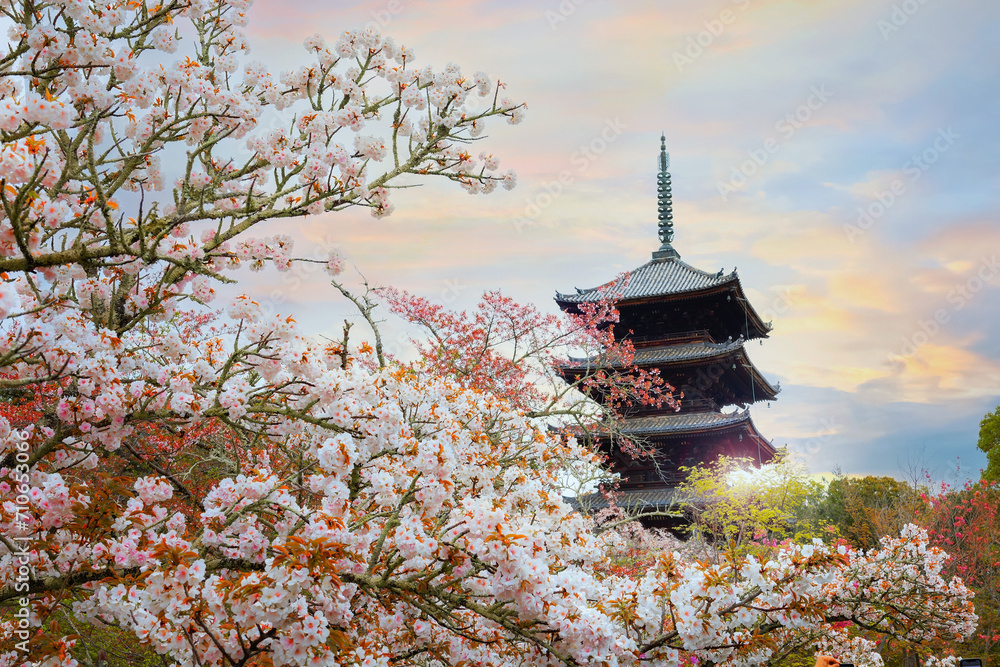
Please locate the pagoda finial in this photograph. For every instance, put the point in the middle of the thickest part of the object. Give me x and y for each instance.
(665, 205)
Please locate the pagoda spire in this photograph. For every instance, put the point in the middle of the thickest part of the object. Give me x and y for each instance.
(665, 205)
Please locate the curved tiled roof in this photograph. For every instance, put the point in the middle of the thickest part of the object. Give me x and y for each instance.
(654, 278)
(682, 422)
(698, 351)
(684, 351)
(678, 352)
(681, 352)
(642, 500)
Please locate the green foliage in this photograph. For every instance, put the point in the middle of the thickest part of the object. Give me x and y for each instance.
(104, 645)
(15, 395)
(120, 649)
(866, 508)
(989, 442)
(742, 509)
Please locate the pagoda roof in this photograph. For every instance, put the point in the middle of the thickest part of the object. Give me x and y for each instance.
(659, 277)
(704, 352)
(696, 351)
(647, 356)
(683, 422)
(688, 423)
(679, 423)
(683, 354)
(670, 279)
(636, 500)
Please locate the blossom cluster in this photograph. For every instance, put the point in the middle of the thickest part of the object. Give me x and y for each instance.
(113, 86)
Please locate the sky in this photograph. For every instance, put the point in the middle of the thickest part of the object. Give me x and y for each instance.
(841, 153)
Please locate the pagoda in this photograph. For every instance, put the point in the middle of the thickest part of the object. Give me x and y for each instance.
(693, 327)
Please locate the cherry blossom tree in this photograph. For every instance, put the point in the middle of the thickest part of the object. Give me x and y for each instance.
(526, 356)
(223, 489)
(966, 522)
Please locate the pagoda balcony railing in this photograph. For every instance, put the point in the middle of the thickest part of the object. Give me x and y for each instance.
(700, 405)
(687, 405)
(652, 479)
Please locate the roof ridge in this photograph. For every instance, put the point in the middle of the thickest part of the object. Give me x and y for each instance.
(657, 276)
(735, 415)
(678, 260)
